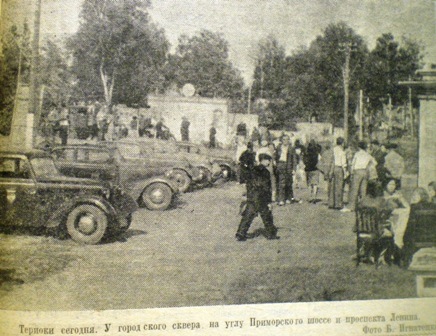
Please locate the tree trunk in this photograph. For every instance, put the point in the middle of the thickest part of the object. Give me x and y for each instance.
(108, 84)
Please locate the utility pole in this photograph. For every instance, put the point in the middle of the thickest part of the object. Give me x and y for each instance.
(346, 80)
(34, 73)
(361, 115)
(411, 116)
(390, 115)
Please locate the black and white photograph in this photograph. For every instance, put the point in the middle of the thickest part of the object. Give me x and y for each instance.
(214, 155)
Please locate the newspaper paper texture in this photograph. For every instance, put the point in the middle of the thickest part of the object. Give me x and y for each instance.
(123, 124)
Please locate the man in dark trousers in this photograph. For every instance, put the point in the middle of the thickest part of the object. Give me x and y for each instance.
(212, 137)
(286, 161)
(259, 200)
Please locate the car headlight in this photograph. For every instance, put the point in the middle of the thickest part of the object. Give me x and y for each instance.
(106, 193)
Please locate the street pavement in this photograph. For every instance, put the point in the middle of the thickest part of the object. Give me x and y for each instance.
(188, 256)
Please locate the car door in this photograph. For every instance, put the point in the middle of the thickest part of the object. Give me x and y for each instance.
(18, 192)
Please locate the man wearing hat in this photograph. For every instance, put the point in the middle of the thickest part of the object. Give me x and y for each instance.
(259, 200)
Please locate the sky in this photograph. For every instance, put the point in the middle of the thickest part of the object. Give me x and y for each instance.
(294, 23)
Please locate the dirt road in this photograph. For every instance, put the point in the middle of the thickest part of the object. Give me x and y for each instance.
(188, 256)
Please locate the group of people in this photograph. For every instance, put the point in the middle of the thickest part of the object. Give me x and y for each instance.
(184, 132)
(150, 128)
(373, 173)
(405, 218)
(268, 172)
(362, 167)
(58, 123)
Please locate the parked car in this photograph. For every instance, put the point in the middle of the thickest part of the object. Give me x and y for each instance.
(120, 165)
(163, 158)
(226, 166)
(34, 194)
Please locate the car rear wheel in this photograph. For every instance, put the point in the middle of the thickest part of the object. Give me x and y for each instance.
(180, 178)
(87, 224)
(157, 196)
(226, 172)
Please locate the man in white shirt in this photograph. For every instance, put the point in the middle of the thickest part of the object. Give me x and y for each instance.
(359, 174)
(336, 176)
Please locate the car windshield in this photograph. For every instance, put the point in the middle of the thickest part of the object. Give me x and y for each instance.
(129, 150)
(44, 167)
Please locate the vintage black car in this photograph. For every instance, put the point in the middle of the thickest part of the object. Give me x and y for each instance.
(161, 157)
(215, 157)
(34, 194)
(122, 166)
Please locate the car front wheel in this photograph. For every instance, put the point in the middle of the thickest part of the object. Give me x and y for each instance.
(206, 178)
(157, 196)
(180, 178)
(87, 224)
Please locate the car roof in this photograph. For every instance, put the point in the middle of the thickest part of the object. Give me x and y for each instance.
(30, 153)
(84, 146)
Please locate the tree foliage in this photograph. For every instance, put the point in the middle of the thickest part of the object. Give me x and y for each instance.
(311, 81)
(203, 60)
(119, 48)
(14, 70)
(269, 75)
(56, 76)
(388, 63)
(330, 52)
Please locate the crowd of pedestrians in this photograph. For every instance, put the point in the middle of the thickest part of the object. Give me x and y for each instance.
(373, 172)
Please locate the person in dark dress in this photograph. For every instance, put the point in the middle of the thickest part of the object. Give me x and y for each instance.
(259, 201)
(184, 129)
(241, 129)
(311, 158)
(212, 137)
(246, 163)
(160, 129)
(421, 225)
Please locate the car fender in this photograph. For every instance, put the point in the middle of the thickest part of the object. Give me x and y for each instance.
(227, 164)
(188, 171)
(62, 212)
(136, 190)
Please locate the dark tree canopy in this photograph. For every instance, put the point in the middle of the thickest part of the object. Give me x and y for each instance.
(388, 63)
(117, 51)
(312, 80)
(14, 70)
(269, 75)
(203, 60)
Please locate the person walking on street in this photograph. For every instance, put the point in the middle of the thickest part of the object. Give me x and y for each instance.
(53, 124)
(286, 165)
(360, 167)
(160, 129)
(311, 158)
(268, 148)
(336, 175)
(258, 201)
(184, 129)
(300, 170)
(212, 137)
(64, 124)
